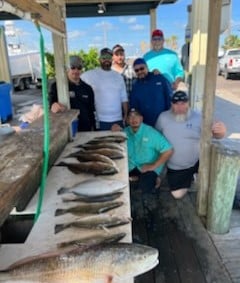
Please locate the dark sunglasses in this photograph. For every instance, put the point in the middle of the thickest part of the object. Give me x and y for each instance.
(75, 67)
(139, 69)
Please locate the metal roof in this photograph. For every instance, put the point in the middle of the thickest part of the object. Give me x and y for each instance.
(83, 8)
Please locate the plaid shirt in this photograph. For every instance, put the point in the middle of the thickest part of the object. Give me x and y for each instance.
(129, 77)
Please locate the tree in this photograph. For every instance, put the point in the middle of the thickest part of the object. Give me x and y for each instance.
(232, 41)
(90, 61)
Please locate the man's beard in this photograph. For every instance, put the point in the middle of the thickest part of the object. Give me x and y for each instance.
(181, 117)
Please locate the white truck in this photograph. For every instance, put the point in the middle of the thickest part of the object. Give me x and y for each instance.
(25, 69)
(229, 63)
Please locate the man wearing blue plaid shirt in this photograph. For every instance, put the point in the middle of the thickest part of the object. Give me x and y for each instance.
(119, 65)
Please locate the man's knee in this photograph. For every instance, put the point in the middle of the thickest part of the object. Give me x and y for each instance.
(180, 193)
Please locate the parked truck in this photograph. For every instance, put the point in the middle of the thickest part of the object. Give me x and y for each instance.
(229, 63)
(25, 69)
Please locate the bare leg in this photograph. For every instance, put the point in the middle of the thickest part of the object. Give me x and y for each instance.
(180, 193)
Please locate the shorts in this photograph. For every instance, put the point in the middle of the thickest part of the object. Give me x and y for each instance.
(178, 179)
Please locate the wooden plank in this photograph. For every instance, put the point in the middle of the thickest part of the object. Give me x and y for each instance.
(210, 262)
(214, 18)
(41, 13)
(21, 159)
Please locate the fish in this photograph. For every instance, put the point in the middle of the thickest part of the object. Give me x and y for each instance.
(101, 145)
(109, 152)
(93, 240)
(88, 199)
(110, 138)
(91, 167)
(103, 263)
(101, 221)
(95, 208)
(94, 187)
(84, 156)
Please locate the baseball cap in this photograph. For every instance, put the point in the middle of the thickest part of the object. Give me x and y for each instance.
(157, 33)
(135, 111)
(139, 61)
(75, 61)
(117, 48)
(105, 51)
(179, 96)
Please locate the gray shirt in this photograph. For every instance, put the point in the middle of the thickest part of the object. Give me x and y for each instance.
(184, 137)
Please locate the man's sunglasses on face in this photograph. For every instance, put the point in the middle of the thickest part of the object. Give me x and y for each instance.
(139, 69)
(76, 67)
(106, 57)
(157, 38)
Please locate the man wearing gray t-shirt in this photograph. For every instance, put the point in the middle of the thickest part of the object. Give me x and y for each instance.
(182, 127)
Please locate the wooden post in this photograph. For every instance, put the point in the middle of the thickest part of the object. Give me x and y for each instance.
(225, 166)
(208, 103)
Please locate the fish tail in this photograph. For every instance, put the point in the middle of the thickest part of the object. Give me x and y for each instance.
(60, 227)
(62, 190)
(60, 211)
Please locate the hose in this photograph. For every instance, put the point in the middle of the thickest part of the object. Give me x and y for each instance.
(46, 137)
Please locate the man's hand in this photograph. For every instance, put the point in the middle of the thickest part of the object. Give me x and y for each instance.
(116, 128)
(218, 130)
(147, 167)
(57, 107)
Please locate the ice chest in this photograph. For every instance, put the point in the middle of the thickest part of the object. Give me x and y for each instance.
(5, 102)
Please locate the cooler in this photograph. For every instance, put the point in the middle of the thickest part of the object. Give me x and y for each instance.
(5, 102)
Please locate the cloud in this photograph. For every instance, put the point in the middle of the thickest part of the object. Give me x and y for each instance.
(75, 34)
(128, 20)
(104, 24)
(137, 27)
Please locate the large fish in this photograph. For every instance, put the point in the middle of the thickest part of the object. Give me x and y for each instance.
(110, 138)
(109, 152)
(89, 199)
(101, 145)
(94, 187)
(84, 156)
(101, 221)
(102, 263)
(93, 240)
(95, 208)
(91, 167)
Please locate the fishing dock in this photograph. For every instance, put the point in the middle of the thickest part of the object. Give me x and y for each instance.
(188, 253)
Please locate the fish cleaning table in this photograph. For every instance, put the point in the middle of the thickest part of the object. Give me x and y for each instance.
(42, 238)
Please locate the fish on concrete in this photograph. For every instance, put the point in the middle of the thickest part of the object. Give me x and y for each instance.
(102, 263)
(84, 156)
(101, 221)
(89, 199)
(93, 240)
(91, 167)
(94, 187)
(111, 138)
(111, 145)
(94, 208)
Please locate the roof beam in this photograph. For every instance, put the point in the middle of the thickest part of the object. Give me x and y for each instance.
(39, 13)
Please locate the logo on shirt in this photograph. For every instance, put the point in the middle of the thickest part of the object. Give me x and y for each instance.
(145, 139)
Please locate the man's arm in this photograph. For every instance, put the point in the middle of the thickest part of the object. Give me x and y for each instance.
(125, 110)
(163, 157)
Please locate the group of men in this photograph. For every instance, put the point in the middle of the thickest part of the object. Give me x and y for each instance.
(162, 129)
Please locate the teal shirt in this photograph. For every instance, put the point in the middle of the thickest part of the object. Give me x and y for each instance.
(166, 61)
(145, 146)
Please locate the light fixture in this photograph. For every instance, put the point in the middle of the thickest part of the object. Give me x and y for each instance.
(101, 8)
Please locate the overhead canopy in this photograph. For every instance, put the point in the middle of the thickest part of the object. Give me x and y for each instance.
(89, 8)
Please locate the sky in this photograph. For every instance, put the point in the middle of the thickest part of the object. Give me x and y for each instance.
(133, 32)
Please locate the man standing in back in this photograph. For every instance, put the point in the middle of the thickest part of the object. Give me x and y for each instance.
(109, 88)
(119, 65)
(164, 60)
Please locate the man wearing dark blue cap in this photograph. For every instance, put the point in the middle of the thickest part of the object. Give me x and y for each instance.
(182, 127)
(111, 99)
(150, 93)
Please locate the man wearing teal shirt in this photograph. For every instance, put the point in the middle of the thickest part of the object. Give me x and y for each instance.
(164, 60)
(148, 151)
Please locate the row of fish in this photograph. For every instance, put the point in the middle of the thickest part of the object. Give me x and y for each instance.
(97, 156)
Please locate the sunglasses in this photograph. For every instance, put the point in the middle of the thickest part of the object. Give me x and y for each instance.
(75, 67)
(139, 69)
(106, 57)
(157, 38)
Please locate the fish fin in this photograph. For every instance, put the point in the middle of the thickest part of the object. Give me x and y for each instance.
(60, 227)
(62, 190)
(61, 164)
(60, 211)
